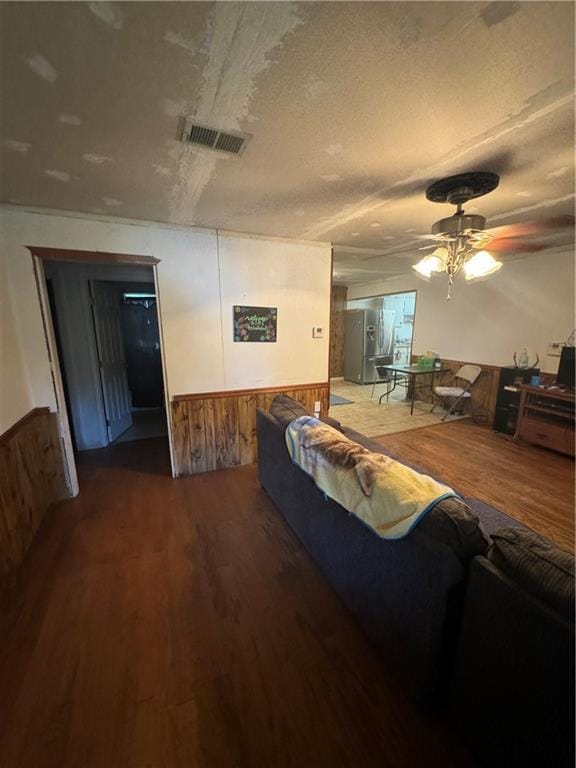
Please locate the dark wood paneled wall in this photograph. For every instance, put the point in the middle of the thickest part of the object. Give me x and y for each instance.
(484, 390)
(32, 479)
(337, 308)
(215, 430)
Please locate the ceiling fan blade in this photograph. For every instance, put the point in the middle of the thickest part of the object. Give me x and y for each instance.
(527, 228)
(512, 245)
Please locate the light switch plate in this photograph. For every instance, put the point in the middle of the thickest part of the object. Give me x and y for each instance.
(555, 348)
(317, 332)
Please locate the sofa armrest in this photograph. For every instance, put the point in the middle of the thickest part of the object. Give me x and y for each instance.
(512, 687)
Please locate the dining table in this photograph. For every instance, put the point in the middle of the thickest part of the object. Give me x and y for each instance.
(409, 373)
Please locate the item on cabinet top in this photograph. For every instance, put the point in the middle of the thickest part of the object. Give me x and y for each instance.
(522, 359)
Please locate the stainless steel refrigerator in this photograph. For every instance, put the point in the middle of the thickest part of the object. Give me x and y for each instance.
(368, 341)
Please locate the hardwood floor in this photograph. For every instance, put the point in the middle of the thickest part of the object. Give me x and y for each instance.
(163, 623)
(534, 485)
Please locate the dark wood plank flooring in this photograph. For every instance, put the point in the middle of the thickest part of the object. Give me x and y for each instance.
(162, 623)
(532, 484)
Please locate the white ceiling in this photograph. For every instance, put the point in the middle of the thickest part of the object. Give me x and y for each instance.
(353, 107)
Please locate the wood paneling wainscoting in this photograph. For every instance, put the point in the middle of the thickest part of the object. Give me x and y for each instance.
(32, 479)
(215, 430)
(337, 308)
(484, 390)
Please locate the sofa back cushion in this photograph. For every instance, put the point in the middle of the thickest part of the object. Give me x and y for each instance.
(453, 523)
(538, 566)
(285, 409)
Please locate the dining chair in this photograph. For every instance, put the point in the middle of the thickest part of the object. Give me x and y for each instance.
(467, 373)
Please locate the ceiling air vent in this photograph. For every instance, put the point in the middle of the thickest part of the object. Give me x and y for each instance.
(231, 142)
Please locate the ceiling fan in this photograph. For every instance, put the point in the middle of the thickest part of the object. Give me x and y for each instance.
(460, 240)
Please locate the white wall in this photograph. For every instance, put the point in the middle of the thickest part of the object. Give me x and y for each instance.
(19, 281)
(296, 280)
(200, 276)
(15, 394)
(529, 303)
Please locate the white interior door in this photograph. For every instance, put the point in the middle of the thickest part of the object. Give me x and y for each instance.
(117, 400)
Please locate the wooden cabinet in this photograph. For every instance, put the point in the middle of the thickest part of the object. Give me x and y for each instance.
(546, 418)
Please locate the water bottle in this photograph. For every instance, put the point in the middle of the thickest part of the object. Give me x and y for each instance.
(523, 361)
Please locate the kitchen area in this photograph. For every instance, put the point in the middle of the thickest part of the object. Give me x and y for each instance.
(377, 331)
(370, 334)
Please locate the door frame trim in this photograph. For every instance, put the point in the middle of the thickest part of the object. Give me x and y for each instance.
(39, 256)
(164, 369)
(56, 371)
(92, 257)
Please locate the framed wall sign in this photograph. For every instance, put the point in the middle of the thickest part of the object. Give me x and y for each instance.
(255, 323)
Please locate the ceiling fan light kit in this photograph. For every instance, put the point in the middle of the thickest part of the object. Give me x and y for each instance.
(460, 236)
(430, 264)
(481, 264)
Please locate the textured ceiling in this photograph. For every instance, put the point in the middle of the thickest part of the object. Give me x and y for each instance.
(353, 107)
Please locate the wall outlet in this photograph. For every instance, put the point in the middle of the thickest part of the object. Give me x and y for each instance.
(317, 406)
(317, 332)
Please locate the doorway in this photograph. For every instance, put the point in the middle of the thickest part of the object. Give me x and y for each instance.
(378, 330)
(141, 335)
(107, 333)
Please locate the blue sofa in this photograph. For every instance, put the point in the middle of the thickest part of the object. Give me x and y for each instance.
(512, 688)
(410, 595)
